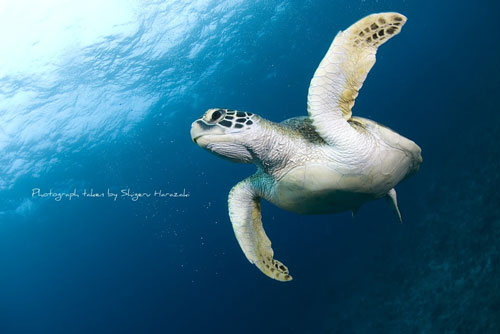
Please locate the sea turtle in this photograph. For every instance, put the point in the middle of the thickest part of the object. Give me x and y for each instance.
(326, 163)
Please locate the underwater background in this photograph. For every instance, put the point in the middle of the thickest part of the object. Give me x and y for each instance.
(100, 95)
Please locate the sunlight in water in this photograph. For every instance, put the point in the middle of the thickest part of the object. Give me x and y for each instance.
(45, 34)
(74, 74)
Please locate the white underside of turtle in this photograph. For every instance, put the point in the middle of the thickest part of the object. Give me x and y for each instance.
(327, 162)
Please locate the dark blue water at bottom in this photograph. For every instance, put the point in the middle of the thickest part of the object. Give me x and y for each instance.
(116, 114)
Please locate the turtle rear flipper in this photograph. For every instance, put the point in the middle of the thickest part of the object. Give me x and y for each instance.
(393, 202)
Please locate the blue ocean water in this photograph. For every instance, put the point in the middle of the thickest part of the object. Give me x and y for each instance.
(100, 96)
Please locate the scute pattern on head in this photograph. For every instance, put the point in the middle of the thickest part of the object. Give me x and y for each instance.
(226, 118)
(237, 119)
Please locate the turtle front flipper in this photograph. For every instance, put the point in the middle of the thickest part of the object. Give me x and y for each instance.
(341, 73)
(245, 215)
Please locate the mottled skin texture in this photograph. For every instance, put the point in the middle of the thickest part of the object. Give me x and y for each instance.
(326, 163)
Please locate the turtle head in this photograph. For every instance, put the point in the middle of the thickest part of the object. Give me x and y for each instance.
(226, 133)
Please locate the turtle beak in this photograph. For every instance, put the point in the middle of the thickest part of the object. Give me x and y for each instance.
(200, 129)
(195, 131)
(202, 133)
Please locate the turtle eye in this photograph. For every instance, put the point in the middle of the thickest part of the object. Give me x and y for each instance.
(215, 116)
